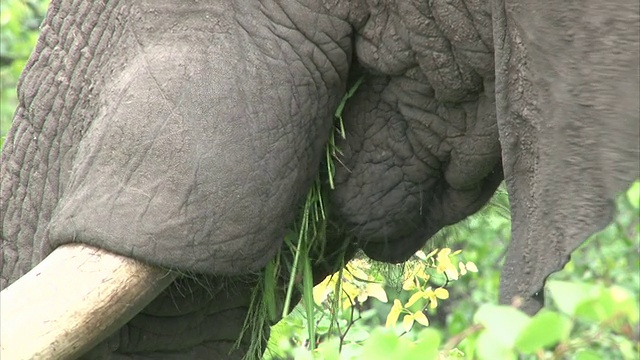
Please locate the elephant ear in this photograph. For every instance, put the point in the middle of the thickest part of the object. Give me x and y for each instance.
(567, 107)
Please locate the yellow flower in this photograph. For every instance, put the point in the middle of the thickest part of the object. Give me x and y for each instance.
(409, 319)
(421, 318)
(350, 291)
(355, 271)
(471, 267)
(433, 252)
(413, 277)
(429, 294)
(420, 273)
(355, 284)
(323, 289)
(407, 322)
(463, 268)
(410, 283)
(374, 290)
(445, 265)
(434, 295)
(394, 313)
(415, 297)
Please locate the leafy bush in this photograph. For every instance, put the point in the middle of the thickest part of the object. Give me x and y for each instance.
(587, 316)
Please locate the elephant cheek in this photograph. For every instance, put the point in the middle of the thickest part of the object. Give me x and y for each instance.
(174, 172)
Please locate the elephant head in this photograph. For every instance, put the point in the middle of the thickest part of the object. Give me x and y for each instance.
(184, 136)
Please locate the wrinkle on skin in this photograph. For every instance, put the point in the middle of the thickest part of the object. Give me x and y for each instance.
(187, 134)
(568, 114)
(137, 175)
(185, 318)
(120, 159)
(55, 89)
(234, 212)
(422, 147)
(400, 34)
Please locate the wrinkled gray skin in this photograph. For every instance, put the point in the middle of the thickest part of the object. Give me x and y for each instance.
(186, 134)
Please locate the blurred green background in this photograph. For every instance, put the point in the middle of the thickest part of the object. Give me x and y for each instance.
(608, 258)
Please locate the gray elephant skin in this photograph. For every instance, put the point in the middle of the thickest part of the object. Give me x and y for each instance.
(186, 134)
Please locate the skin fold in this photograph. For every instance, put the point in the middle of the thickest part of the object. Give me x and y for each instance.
(187, 135)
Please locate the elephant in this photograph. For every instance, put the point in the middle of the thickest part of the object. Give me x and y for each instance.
(163, 148)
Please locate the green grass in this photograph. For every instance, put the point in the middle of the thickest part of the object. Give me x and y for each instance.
(308, 238)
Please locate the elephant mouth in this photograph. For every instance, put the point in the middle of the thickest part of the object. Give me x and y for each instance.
(395, 252)
(102, 292)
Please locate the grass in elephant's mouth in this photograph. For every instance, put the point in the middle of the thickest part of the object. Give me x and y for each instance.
(309, 237)
(294, 261)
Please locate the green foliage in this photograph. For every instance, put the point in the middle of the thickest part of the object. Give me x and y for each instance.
(544, 330)
(587, 315)
(590, 318)
(416, 281)
(385, 344)
(339, 298)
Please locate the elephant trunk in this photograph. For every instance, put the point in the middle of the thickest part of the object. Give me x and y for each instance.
(102, 291)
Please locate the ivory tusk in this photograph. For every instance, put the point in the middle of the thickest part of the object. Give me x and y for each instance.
(72, 300)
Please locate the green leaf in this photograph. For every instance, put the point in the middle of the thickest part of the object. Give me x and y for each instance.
(587, 354)
(328, 350)
(633, 194)
(269, 294)
(568, 295)
(302, 353)
(490, 347)
(546, 329)
(382, 345)
(357, 334)
(457, 323)
(426, 347)
(611, 304)
(469, 346)
(307, 300)
(504, 322)
(597, 309)
(455, 354)
(628, 349)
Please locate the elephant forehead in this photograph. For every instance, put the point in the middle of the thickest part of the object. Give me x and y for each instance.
(449, 43)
